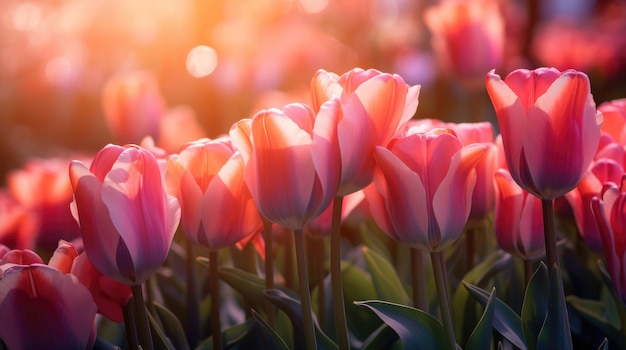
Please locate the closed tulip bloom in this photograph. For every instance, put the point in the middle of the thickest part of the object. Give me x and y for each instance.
(518, 219)
(609, 210)
(375, 106)
(292, 167)
(549, 126)
(217, 209)
(126, 217)
(426, 181)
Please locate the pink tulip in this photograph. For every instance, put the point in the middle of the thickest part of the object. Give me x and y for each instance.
(179, 126)
(614, 114)
(126, 217)
(292, 167)
(550, 130)
(426, 182)
(133, 106)
(42, 307)
(468, 37)
(207, 177)
(18, 225)
(375, 106)
(609, 210)
(518, 219)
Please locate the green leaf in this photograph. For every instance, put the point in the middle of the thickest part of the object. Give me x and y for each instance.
(596, 313)
(555, 333)
(172, 327)
(506, 321)
(466, 314)
(416, 329)
(272, 340)
(231, 335)
(161, 341)
(249, 285)
(535, 305)
(386, 281)
(382, 338)
(481, 336)
(290, 304)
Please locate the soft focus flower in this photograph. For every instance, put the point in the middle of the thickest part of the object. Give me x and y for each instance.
(126, 217)
(43, 188)
(133, 106)
(292, 165)
(518, 219)
(468, 37)
(179, 125)
(207, 177)
(609, 210)
(42, 307)
(18, 227)
(614, 115)
(550, 130)
(426, 183)
(375, 106)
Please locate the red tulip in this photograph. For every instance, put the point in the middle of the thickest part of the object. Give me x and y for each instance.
(375, 106)
(468, 37)
(126, 217)
(217, 209)
(609, 210)
(292, 168)
(550, 130)
(18, 226)
(614, 114)
(518, 219)
(426, 182)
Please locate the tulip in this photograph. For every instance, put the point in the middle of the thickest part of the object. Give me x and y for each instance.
(18, 225)
(614, 114)
(126, 217)
(609, 210)
(375, 106)
(518, 219)
(217, 209)
(550, 130)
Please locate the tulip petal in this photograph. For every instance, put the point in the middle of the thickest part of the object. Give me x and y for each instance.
(509, 204)
(325, 149)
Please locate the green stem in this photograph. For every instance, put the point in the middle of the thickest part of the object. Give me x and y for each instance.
(193, 315)
(269, 270)
(289, 262)
(305, 297)
(439, 269)
(470, 248)
(420, 298)
(145, 336)
(339, 311)
(528, 272)
(214, 290)
(129, 324)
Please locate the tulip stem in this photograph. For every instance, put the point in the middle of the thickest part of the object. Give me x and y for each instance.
(145, 336)
(528, 272)
(193, 316)
(129, 324)
(269, 270)
(420, 297)
(339, 311)
(470, 247)
(441, 275)
(305, 297)
(214, 290)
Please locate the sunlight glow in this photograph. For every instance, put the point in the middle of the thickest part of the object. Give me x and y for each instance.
(314, 6)
(201, 61)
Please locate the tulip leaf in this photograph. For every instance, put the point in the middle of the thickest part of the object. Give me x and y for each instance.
(555, 333)
(535, 305)
(478, 276)
(100, 344)
(506, 321)
(481, 336)
(386, 281)
(272, 340)
(231, 335)
(382, 338)
(161, 341)
(596, 313)
(290, 304)
(604, 345)
(172, 327)
(249, 285)
(416, 328)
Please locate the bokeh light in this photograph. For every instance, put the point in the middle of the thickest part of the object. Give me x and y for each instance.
(201, 61)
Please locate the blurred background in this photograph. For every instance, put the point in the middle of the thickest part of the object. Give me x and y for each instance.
(220, 61)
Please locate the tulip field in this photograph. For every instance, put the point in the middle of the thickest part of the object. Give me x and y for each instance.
(451, 177)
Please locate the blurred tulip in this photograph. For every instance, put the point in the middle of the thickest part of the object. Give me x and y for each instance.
(550, 129)
(609, 210)
(126, 217)
(426, 182)
(468, 38)
(179, 126)
(518, 219)
(42, 307)
(601, 171)
(43, 188)
(18, 227)
(375, 106)
(207, 177)
(614, 114)
(292, 167)
(133, 106)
